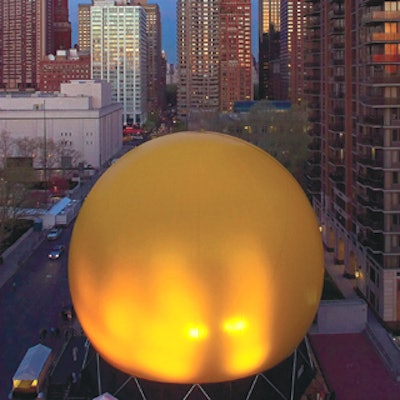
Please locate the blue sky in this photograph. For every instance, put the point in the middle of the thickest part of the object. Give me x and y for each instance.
(168, 21)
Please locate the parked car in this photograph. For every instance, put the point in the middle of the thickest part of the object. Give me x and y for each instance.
(56, 252)
(54, 233)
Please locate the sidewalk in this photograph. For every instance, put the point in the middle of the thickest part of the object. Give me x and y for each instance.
(18, 253)
(377, 334)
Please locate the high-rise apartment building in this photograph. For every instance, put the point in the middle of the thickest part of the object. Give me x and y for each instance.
(84, 27)
(197, 58)
(119, 54)
(352, 83)
(156, 81)
(269, 20)
(62, 26)
(291, 59)
(235, 53)
(281, 41)
(26, 35)
(204, 37)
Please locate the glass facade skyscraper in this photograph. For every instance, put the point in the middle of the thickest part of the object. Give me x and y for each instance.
(119, 55)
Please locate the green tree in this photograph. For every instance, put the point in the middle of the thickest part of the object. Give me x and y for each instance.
(281, 133)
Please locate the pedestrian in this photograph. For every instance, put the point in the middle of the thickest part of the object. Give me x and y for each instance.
(43, 334)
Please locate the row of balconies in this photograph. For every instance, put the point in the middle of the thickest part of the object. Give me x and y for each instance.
(374, 17)
(371, 181)
(374, 221)
(336, 143)
(336, 30)
(335, 160)
(315, 160)
(313, 185)
(315, 131)
(371, 119)
(382, 58)
(314, 37)
(373, 241)
(371, 202)
(380, 101)
(336, 126)
(310, 89)
(371, 139)
(382, 37)
(336, 14)
(377, 162)
(393, 78)
(337, 177)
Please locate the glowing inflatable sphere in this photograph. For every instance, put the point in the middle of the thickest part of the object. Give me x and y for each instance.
(196, 258)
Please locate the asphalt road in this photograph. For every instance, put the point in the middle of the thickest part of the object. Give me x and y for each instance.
(35, 303)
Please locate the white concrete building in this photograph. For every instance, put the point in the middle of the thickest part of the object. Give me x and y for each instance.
(118, 42)
(82, 117)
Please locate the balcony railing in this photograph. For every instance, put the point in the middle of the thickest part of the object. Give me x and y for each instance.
(379, 79)
(380, 16)
(382, 37)
(372, 182)
(373, 140)
(385, 58)
(336, 127)
(338, 45)
(314, 159)
(369, 161)
(373, 241)
(336, 30)
(337, 177)
(374, 222)
(371, 119)
(338, 13)
(380, 101)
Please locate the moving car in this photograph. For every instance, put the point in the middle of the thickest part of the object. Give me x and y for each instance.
(56, 252)
(54, 233)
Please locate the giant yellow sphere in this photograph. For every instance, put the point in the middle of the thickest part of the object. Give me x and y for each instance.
(196, 258)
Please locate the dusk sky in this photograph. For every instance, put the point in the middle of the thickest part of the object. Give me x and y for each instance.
(168, 21)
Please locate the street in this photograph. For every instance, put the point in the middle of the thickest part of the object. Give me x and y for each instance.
(30, 302)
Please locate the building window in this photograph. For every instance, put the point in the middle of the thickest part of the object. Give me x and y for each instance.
(372, 275)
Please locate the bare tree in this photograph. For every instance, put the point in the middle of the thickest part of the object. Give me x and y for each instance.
(15, 185)
(67, 155)
(27, 147)
(6, 147)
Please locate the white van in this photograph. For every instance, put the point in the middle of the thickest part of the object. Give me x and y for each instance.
(31, 374)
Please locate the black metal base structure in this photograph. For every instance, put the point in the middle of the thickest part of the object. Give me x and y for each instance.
(87, 376)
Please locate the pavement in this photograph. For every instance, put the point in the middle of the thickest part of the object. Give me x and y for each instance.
(388, 350)
(364, 365)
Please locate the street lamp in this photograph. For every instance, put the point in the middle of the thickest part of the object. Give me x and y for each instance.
(44, 151)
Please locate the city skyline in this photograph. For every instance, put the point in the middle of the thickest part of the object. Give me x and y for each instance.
(168, 21)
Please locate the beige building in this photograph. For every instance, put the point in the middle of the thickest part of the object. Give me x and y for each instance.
(84, 27)
(81, 118)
